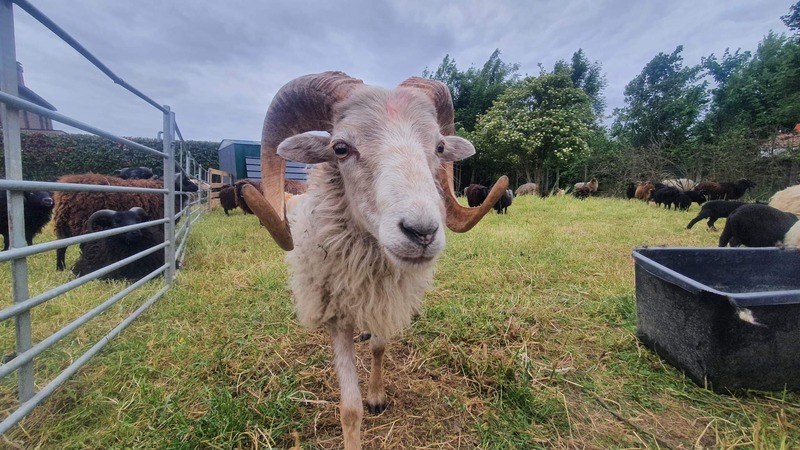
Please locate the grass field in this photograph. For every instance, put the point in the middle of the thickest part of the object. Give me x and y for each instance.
(527, 341)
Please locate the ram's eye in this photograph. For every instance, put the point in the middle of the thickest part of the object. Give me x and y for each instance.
(440, 147)
(341, 150)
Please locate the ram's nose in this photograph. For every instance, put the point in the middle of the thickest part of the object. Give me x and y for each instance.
(421, 234)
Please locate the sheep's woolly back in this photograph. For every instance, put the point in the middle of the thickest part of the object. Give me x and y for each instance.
(528, 189)
(787, 200)
(792, 238)
(73, 208)
(351, 280)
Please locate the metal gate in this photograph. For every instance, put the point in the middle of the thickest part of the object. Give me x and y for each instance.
(174, 244)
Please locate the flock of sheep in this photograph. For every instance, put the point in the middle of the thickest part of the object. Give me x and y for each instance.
(476, 193)
(75, 213)
(750, 224)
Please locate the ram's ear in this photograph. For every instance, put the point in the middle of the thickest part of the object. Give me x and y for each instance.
(456, 148)
(307, 148)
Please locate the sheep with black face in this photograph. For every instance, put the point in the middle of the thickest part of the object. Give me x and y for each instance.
(105, 251)
(73, 208)
(364, 239)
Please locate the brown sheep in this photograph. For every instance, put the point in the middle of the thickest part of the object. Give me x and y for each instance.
(73, 208)
(644, 191)
(724, 190)
(227, 198)
(476, 194)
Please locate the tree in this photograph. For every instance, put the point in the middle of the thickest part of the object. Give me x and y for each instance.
(473, 92)
(792, 20)
(756, 99)
(663, 106)
(587, 76)
(759, 93)
(538, 123)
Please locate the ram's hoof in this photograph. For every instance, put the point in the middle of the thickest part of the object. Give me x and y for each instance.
(377, 408)
(362, 337)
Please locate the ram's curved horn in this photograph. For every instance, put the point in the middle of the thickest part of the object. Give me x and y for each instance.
(98, 215)
(303, 104)
(459, 218)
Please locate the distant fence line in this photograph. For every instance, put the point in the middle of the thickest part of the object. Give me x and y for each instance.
(175, 159)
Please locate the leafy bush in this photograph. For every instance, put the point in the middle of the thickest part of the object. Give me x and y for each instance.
(46, 157)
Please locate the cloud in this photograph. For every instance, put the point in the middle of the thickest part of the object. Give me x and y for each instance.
(217, 64)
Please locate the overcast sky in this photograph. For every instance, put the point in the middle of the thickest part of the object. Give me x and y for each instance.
(217, 64)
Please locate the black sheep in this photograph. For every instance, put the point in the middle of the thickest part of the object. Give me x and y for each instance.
(666, 196)
(505, 201)
(630, 191)
(38, 208)
(134, 173)
(698, 197)
(476, 194)
(756, 225)
(713, 210)
(682, 202)
(103, 252)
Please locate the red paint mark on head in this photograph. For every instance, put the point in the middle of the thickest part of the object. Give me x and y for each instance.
(399, 101)
(391, 110)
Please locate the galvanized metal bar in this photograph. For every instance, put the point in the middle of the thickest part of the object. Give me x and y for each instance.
(17, 102)
(22, 307)
(180, 250)
(179, 214)
(28, 406)
(180, 230)
(9, 117)
(188, 222)
(48, 342)
(52, 245)
(44, 20)
(23, 185)
(169, 199)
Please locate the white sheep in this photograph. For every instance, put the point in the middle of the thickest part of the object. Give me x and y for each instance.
(787, 200)
(792, 238)
(683, 184)
(528, 189)
(364, 238)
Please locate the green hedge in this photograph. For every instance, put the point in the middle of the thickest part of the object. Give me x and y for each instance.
(46, 157)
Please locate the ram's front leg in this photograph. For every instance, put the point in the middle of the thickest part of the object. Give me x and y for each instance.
(376, 394)
(350, 408)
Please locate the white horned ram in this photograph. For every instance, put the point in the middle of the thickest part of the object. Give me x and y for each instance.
(363, 240)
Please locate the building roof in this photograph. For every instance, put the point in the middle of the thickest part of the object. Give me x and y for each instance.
(227, 142)
(27, 94)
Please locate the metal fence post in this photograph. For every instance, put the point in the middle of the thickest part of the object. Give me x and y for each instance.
(169, 199)
(13, 164)
(188, 169)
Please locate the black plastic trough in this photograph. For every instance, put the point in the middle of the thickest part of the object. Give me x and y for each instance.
(728, 317)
